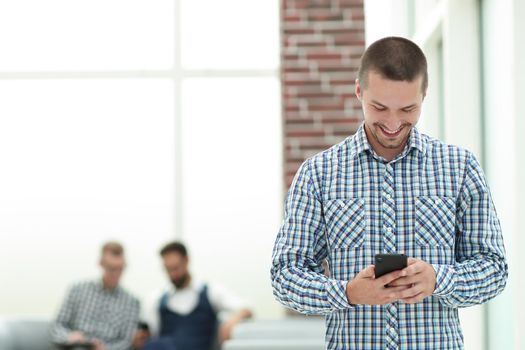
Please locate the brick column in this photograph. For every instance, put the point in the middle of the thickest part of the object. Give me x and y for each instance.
(322, 43)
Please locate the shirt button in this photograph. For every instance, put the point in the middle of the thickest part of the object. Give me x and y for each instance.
(388, 196)
(389, 229)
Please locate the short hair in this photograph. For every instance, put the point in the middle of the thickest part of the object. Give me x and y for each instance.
(113, 248)
(394, 58)
(174, 247)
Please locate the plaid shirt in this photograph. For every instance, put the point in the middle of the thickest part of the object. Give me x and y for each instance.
(108, 315)
(347, 203)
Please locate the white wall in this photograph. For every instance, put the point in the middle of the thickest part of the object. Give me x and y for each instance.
(519, 194)
(504, 78)
(385, 18)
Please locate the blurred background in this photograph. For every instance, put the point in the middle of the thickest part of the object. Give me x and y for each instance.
(146, 121)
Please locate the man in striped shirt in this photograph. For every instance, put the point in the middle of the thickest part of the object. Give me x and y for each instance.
(99, 312)
(390, 189)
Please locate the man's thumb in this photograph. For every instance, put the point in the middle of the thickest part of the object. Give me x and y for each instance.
(369, 271)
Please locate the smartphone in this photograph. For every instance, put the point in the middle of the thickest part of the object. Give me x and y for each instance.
(143, 326)
(386, 263)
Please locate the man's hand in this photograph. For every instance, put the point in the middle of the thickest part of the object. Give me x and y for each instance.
(225, 331)
(419, 281)
(76, 337)
(226, 328)
(368, 290)
(139, 338)
(99, 345)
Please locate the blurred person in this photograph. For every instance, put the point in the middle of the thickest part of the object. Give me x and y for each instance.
(99, 312)
(184, 316)
(390, 189)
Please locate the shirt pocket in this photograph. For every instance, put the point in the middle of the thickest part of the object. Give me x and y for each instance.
(435, 223)
(346, 222)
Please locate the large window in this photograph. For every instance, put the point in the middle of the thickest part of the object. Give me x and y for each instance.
(140, 121)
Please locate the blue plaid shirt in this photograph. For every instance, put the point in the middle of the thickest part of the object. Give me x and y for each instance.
(347, 204)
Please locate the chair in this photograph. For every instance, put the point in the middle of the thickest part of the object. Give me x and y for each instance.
(274, 344)
(24, 334)
(287, 334)
(280, 329)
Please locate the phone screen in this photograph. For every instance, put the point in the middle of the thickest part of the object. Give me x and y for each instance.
(386, 263)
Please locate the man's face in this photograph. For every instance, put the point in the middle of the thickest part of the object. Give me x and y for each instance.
(391, 109)
(113, 266)
(176, 266)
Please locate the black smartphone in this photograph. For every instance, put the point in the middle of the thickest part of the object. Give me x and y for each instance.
(143, 326)
(386, 263)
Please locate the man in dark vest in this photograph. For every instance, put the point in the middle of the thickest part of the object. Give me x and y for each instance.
(184, 315)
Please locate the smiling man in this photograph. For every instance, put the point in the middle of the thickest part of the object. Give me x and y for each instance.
(390, 189)
(101, 312)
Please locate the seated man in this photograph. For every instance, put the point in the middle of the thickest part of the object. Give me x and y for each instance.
(99, 312)
(184, 316)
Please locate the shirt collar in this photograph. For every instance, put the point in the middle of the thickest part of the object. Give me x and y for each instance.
(194, 285)
(416, 141)
(100, 286)
(359, 143)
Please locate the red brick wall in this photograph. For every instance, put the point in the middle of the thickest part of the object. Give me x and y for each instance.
(321, 44)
